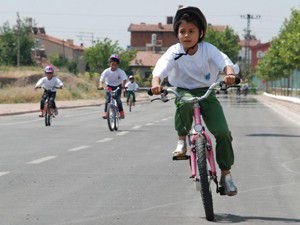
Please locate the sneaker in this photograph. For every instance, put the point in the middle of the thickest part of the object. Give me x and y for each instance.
(180, 149)
(41, 113)
(55, 112)
(122, 115)
(227, 182)
(105, 115)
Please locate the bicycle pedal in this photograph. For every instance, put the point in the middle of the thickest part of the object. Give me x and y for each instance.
(181, 157)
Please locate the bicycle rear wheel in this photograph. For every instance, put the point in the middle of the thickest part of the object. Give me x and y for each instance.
(203, 173)
(111, 118)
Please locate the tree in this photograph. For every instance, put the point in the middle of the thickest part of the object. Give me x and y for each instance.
(98, 55)
(283, 57)
(8, 46)
(227, 41)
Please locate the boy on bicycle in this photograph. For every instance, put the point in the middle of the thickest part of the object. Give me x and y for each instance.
(113, 78)
(192, 66)
(131, 87)
(50, 83)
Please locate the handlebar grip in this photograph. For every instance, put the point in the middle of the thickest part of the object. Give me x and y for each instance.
(237, 80)
(149, 92)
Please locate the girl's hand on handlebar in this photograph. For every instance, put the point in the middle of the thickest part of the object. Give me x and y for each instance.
(156, 90)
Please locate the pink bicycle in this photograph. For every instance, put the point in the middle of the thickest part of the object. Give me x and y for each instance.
(201, 151)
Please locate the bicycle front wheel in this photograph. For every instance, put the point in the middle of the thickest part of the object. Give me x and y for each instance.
(111, 118)
(130, 102)
(117, 116)
(47, 116)
(203, 173)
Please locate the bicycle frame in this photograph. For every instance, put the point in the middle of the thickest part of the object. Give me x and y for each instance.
(199, 132)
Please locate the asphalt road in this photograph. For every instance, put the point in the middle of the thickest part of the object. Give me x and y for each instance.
(77, 172)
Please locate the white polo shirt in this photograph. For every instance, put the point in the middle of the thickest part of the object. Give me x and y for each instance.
(113, 78)
(49, 85)
(191, 71)
(132, 86)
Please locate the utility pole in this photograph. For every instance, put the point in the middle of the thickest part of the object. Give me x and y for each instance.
(247, 37)
(18, 39)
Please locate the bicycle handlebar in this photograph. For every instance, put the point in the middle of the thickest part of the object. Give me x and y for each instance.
(165, 92)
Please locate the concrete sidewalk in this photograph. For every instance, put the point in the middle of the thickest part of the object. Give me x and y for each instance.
(21, 108)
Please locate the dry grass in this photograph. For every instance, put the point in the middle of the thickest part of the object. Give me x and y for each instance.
(75, 87)
(18, 72)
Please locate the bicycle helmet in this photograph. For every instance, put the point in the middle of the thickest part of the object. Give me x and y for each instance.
(195, 15)
(49, 69)
(114, 58)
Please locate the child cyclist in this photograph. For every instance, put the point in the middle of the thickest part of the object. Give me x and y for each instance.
(113, 78)
(192, 66)
(131, 87)
(50, 83)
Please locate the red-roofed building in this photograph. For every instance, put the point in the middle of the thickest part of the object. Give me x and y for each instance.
(144, 63)
(157, 37)
(47, 45)
(256, 50)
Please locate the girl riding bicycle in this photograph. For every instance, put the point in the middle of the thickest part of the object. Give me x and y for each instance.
(113, 77)
(50, 84)
(192, 66)
(131, 87)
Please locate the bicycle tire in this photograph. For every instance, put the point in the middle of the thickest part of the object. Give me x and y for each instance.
(47, 116)
(130, 102)
(116, 121)
(205, 188)
(110, 117)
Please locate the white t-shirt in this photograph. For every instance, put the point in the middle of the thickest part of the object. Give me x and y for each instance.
(113, 78)
(49, 85)
(191, 71)
(132, 86)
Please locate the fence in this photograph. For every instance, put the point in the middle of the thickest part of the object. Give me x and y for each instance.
(285, 86)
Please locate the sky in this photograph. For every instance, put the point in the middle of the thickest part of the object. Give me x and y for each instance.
(84, 21)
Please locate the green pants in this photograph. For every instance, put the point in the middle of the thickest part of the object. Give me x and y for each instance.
(213, 116)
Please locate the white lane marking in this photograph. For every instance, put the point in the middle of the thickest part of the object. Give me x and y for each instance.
(284, 165)
(122, 133)
(149, 124)
(164, 119)
(78, 148)
(41, 160)
(4, 173)
(104, 140)
(137, 127)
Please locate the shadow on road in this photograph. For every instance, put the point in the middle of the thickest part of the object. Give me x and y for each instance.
(271, 135)
(230, 218)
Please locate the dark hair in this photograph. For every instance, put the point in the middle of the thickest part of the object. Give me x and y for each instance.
(193, 15)
(190, 18)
